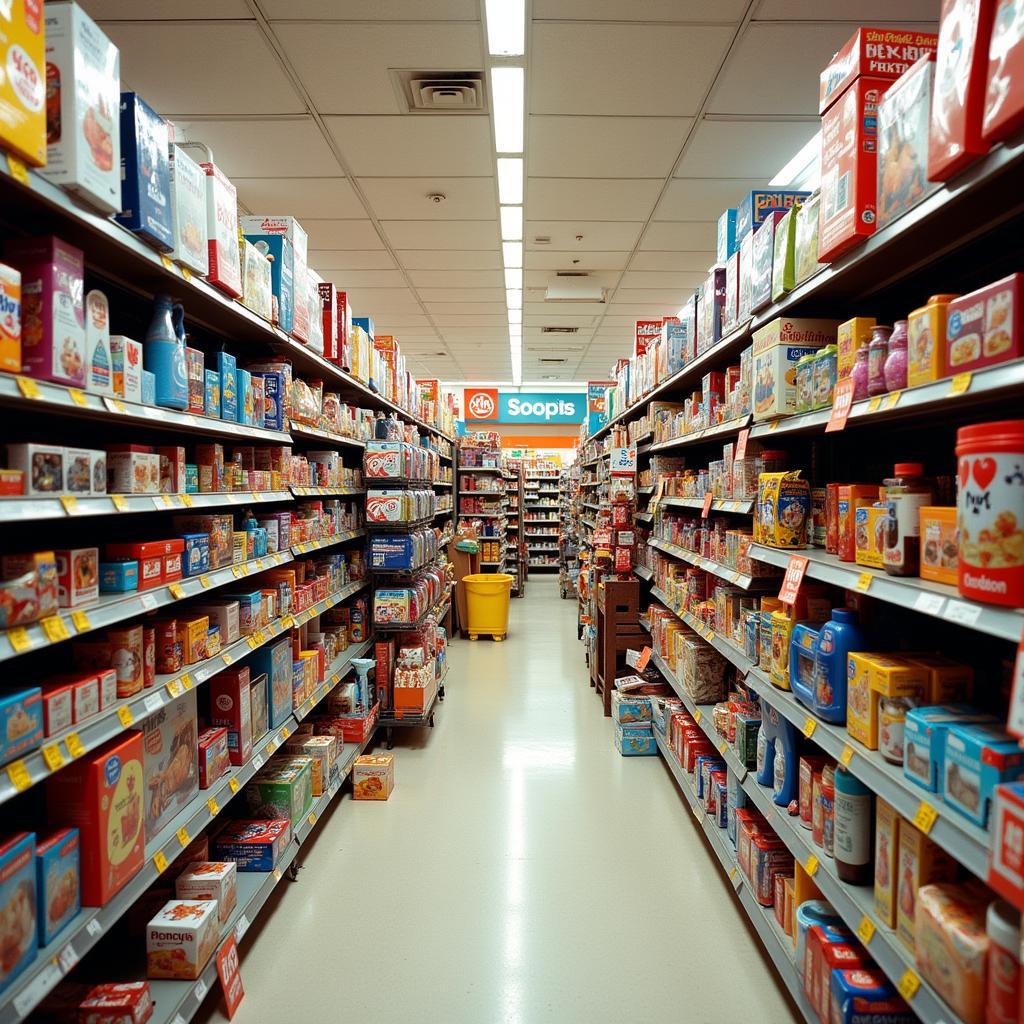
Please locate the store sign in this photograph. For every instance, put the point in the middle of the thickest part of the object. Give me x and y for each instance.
(597, 404)
(524, 406)
(230, 975)
(481, 403)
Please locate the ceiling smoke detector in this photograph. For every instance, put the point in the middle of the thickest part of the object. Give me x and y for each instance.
(440, 92)
(437, 198)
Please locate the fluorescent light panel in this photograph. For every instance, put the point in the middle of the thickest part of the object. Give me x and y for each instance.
(803, 167)
(512, 253)
(515, 316)
(510, 179)
(506, 27)
(507, 86)
(514, 277)
(514, 298)
(511, 223)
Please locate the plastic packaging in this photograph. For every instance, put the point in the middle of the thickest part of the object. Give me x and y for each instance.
(895, 371)
(878, 351)
(163, 353)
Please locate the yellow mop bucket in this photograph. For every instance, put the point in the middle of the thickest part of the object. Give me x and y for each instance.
(487, 600)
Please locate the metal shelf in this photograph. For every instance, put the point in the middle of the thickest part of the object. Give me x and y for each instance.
(325, 492)
(718, 505)
(735, 577)
(305, 432)
(306, 546)
(707, 434)
(479, 469)
(441, 483)
(481, 515)
(938, 600)
(483, 494)
(643, 572)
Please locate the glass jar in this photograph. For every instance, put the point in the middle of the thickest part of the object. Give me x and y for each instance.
(859, 373)
(896, 361)
(906, 491)
(854, 806)
(878, 350)
(892, 713)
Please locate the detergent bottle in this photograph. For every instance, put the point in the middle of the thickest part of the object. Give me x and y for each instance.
(817, 666)
(163, 353)
(362, 667)
(777, 762)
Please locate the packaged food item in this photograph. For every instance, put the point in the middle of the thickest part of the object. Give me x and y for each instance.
(99, 378)
(126, 367)
(83, 84)
(849, 498)
(57, 881)
(283, 789)
(977, 758)
(806, 241)
(778, 346)
(231, 707)
(926, 341)
(127, 1002)
(783, 508)
(145, 173)
(373, 776)
(210, 880)
(940, 548)
(921, 862)
(869, 527)
(18, 900)
(906, 491)
(887, 844)
(986, 326)
(279, 248)
(225, 269)
(188, 209)
(865, 993)
(257, 293)
(253, 845)
(28, 587)
(23, 101)
(762, 256)
(181, 938)
(1003, 112)
(784, 257)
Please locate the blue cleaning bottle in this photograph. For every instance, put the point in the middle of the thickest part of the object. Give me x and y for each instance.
(163, 352)
(840, 635)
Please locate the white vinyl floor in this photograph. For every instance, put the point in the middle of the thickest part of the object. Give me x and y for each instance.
(521, 873)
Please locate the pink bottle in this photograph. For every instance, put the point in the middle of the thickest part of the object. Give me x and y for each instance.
(896, 360)
(878, 349)
(859, 373)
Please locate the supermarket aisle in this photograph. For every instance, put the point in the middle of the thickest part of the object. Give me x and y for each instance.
(521, 873)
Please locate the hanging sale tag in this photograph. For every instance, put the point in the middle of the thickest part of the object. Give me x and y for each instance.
(638, 659)
(842, 403)
(230, 973)
(709, 500)
(793, 579)
(740, 451)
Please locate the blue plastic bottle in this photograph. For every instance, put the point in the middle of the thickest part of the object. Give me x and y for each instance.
(777, 760)
(840, 635)
(163, 353)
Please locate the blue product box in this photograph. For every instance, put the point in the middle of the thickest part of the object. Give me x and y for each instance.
(924, 741)
(191, 478)
(727, 243)
(721, 804)
(282, 271)
(677, 336)
(366, 322)
(250, 610)
(253, 845)
(259, 542)
(275, 661)
(148, 388)
(861, 995)
(21, 723)
(631, 711)
(635, 742)
(977, 759)
(245, 411)
(196, 557)
(756, 205)
(17, 892)
(396, 551)
(211, 398)
(119, 577)
(228, 368)
(58, 882)
(145, 173)
(273, 399)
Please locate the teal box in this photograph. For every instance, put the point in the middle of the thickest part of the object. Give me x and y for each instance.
(58, 882)
(211, 402)
(191, 478)
(924, 741)
(227, 367)
(282, 268)
(18, 898)
(631, 742)
(727, 243)
(275, 661)
(21, 722)
(119, 577)
(977, 759)
(245, 408)
(148, 388)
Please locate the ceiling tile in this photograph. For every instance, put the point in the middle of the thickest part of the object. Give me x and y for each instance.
(241, 149)
(559, 320)
(597, 235)
(575, 310)
(342, 234)
(473, 295)
(629, 10)
(299, 197)
(465, 198)
(607, 147)
(542, 278)
(381, 302)
(373, 10)
(405, 321)
(436, 259)
(679, 262)
(590, 198)
(470, 320)
(750, 149)
(660, 279)
(701, 198)
(367, 279)
(548, 259)
(622, 69)
(166, 10)
(414, 145)
(457, 279)
(681, 236)
(354, 259)
(344, 66)
(868, 12)
(674, 296)
(250, 80)
(449, 234)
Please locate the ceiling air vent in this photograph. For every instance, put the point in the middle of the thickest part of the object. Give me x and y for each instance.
(572, 273)
(550, 361)
(440, 92)
(541, 239)
(559, 330)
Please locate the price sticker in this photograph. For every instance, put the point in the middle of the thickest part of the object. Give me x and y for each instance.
(94, 928)
(697, 716)
(961, 612)
(285, 732)
(723, 747)
(67, 958)
(199, 990)
(120, 502)
(930, 604)
(204, 581)
(908, 984)
(252, 642)
(863, 583)
(78, 397)
(277, 874)
(174, 688)
(183, 837)
(19, 172)
(287, 622)
(793, 579)
(842, 403)
(875, 404)
(166, 261)
(960, 383)
(177, 591)
(312, 818)
(19, 776)
(70, 503)
(237, 571)
(75, 747)
(741, 444)
(233, 785)
(81, 622)
(213, 807)
(271, 746)
(186, 500)
(28, 387)
(811, 867)
(148, 601)
(53, 757)
(115, 405)
(19, 639)
(846, 756)
(160, 861)
(892, 399)
(125, 714)
(257, 762)
(925, 817)
(154, 702)
(186, 681)
(186, 273)
(54, 628)
(866, 930)
(809, 726)
(226, 658)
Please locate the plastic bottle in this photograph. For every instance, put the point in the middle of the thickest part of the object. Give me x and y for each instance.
(906, 491)
(853, 828)
(1003, 992)
(895, 371)
(859, 373)
(878, 350)
(828, 810)
(163, 353)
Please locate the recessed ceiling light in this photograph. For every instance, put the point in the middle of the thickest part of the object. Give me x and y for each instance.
(510, 179)
(511, 223)
(507, 98)
(512, 253)
(514, 277)
(506, 27)
(513, 298)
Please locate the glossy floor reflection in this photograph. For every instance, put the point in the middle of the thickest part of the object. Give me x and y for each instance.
(522, 871)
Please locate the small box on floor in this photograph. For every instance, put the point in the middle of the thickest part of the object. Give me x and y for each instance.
(632, 742)
(373, 777)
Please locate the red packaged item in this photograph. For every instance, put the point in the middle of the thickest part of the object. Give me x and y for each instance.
(195, 369)
(150, 557)
(58, 705)
(214, 759)
(117, 1003)
(231, 707)
(961, 79)
(1004, 100)
(623, 559)
(172, 470)
(167, 646)
(647, 333)
(101, 794)
(148, 656)
(986, 326)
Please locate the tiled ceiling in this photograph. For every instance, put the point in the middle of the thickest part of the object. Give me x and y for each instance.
(644, 120)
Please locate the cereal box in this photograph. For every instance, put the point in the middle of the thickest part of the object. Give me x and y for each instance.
(170, 762)
(986, 326)
(777, 348)
(805, 260)
(83, 87)
(102, 794)
(225, 269)
(99, 373)
(145, 173)
(188, 208)
(210, 880)
(181, 938)
(253, 845)
(57, 881)
(231, 707)
(257, 293)
(1003, 112)
(21, 718)
(18, 899)
(78, 579)
(23, 107)
(52, 309)
(850, 335)
(214, 759)
(126, 367)
(283, 789)
(128, 1002)
(903, 117)
(373, 777)
(275, 662)
(757, 205)
(762, 254)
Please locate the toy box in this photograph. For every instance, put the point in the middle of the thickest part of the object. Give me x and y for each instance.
(21, 715)
(231, 707)
(373, 776)
(219, 529)
(977, 758)
(128, 1002)
(145, 173)
(57, 881)
(253, 845)
(903, 117)
(273, 398)
(102, 794)
(83, 84)
(181, 938)
(225, 269)
(710, 306)
(170, 761)
(41, 466)
(887, 846)
(275, 662)
(188, 209)
(78, 580)
(726, 235)
(778, 346)
(126, 367)
(210, 880)
(214, 759)
(762, 254)
(282, 267)
(18, 899)
(52, 310)
(23, 109)
(1003, 112)
(211, 393)
(758, 204)
(99, 377)
(921, 862)
(986, 326)
(133, 472)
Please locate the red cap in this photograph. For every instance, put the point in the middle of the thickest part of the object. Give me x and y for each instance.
(908, 469)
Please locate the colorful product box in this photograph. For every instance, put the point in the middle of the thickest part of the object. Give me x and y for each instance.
(128, 1002)
(227, 368)
(231, 707)
(188, 208)
(887, 845)
(23, 111)
(373, 776)
(977, 759)
(197, 554)
(195, 375)
(181, 938)
(866, 994)
(41, 466)
(145, 173)
(58, 881)
(58, 707)
(283, 789)
(84, 86)
(756, 205)
(1006, 865)
(986, 326)
(850, 335)
(21, 716)
(102, 794)
(99, 377)
(784, 256)
(253, 845)
(274, 661)
(634, 742)
(762, 256)
(211, 393)
(778, 346)
(710, 308)
(1003, 112)
(126, 367)
(259, 713)
(921, 862)
(726, 237)
(77, 576)
(119, 577)
(257, 289)
(924, 745)
(225, 269)
(170, 761)
(282, 266)
(17, 896)
(215, 880)
(10, 312)
(214, 759)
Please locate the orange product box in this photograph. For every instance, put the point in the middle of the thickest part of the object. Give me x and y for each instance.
(10, 314)
(921, 862)
(101, 795)
(373, 776)
(24, 102)
(940, 548)
(850, 498)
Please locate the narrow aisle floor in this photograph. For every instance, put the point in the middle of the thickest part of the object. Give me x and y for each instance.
(522, 872)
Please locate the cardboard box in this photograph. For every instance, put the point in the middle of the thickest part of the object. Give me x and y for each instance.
(921, 862)
(231, 707)
(778, 346)
(17, 896)
(133, 472)
(181, 938)
(253, 845)
(373, 776)
(282, 789)
(78, 579)
(58, 881)
(850, 335)
(210, 880)
(1003, 112)
(188, 207)
(986, 326)
(282, 267)
(126, 367)
(755, 206)
(887, 845)
(128, 1002)
(99, 372)
(145, 173)
(170, 761)
(225, 269)
(214, 758)
(23, 111)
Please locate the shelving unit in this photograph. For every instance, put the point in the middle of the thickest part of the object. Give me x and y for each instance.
(541, 514)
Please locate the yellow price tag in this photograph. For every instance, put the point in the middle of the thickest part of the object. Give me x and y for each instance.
(252, 642)
(723, 746)
(866, 930)
(19, 639)
(233, 785)
(28, 387)
(875, 404)
(204, 581)
(54, 628)
(81, 622)
(960, 383)
(183, 837)
(70, 503)
(312, 818)
(19, 776)
(177, 591)
(186, 500)
(78, 397)
(287, 622)
(120, 502)
(925, 817)
(774, 425)
(811, 866)
(697, 715)
(809, 726)
(277, 874)
(74, 744)
(166, 261)
(174, 688)
(160, 861)
(892, 399)
(226, 658)
(53, 757)
(125, 714)
(186, 273)
(213, 807)
(237, 571)
(285, 732)
(19, 172)
(908, 985)
(846, 756)
(118, 405)
(259, 563)
(271, 746)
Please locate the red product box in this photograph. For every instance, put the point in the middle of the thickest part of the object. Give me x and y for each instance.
(849, 165)
(58, 703)
(835, 956)
(172, 470)
(150, 557)
(329, 319)
(384, 653)
(1006, 864)
(231, 707)
(623, 559)
(986, 326)
(647, 333)
(961, 80)
(1003, 113)
(214, 758)
(195, 371)
(126, 1002)
(622, 515)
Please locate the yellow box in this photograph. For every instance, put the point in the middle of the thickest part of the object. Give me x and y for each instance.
(373, 777)
(10, 325)
(192, 637)
(950, 682)
(23, 87)
(887, 851)
(869, 535)
(849, 337)
(861, 704)
(926, 341)
(921, 862)
(782, 629)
